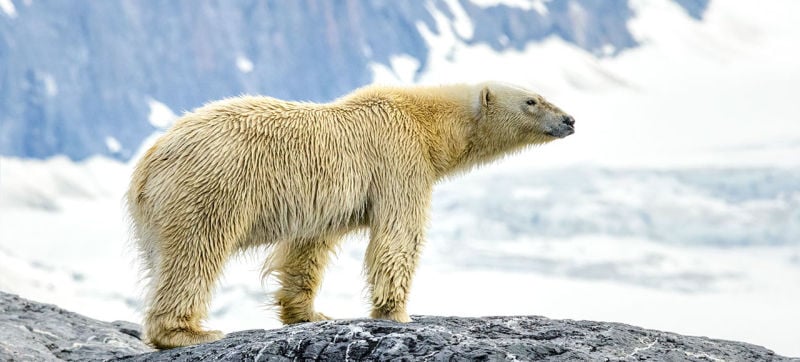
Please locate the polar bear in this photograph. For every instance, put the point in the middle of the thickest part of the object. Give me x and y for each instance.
(249, 171)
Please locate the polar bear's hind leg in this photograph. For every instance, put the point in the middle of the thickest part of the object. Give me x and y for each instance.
(298, 266)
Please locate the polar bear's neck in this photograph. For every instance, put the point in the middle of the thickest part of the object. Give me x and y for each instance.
(443, 116)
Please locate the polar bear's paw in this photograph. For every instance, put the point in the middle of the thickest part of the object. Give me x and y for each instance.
(289, 316)
(183, 337)
(317, 317)
(401, 317)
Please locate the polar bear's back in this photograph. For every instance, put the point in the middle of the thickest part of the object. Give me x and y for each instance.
(289, 168)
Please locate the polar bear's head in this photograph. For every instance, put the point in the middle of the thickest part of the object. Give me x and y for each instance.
(518, 117)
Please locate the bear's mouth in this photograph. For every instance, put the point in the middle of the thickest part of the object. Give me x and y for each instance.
(561, 131)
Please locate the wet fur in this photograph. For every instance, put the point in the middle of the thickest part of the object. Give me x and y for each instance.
(252, 171)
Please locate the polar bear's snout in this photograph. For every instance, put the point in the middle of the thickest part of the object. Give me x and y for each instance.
(563, 129)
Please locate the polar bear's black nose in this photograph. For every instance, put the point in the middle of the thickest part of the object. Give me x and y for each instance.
(568, 120)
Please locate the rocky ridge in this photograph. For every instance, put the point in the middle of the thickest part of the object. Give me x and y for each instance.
(35, 331)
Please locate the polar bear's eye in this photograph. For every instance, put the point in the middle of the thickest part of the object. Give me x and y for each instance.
(531, 102)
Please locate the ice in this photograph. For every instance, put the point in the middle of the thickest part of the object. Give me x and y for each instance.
(693, 207)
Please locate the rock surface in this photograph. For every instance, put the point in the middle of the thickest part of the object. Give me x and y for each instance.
(33, 331)
(458, 339)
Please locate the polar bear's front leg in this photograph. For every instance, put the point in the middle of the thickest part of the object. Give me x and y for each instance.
(396, 239)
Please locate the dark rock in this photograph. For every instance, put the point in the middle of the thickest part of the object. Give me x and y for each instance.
(33, 331)
(456, 338)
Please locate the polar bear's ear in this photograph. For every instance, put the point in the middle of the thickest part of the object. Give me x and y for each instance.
(486, 96)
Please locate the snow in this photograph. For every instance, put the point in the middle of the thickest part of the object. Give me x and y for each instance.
(537, 5)
(244, 64)
(675, 206)
(608, 49)
(113, 144)
(403, 70)
(71, 289)
(50, 85)
(746, 293)
(503, 40)
(8, 8)
(44, 185)
(462, 24)
(160, 116)
(669, 103)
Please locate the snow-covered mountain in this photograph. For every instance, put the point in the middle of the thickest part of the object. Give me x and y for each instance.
(82, 79)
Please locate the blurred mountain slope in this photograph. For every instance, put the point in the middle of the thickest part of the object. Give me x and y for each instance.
(82, 78)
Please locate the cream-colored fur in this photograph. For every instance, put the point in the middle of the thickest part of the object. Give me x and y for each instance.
(255, 171)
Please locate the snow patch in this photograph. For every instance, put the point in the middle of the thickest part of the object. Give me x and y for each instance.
(366, 50)
(539, 6)
(160, 116)
(113, 144)
(608, 49)
(503, 40)
(244, 64)
(8, 7)
(50, 85)
(402, 69)
(461, 21)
